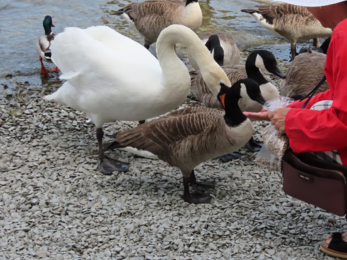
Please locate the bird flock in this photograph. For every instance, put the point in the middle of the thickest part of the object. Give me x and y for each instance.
(111, 77)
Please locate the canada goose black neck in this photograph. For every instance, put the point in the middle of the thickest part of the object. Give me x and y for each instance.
(48, 24)
(253, 71)
(191, 1)
(213, 44)
(229, 98)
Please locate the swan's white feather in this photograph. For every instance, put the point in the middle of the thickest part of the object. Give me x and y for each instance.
(102, 65)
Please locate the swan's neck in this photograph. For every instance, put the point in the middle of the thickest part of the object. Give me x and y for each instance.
(174, 69)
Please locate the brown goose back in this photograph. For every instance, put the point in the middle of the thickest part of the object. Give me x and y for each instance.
(304, 74)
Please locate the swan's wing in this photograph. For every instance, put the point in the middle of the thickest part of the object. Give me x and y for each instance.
(99, 57)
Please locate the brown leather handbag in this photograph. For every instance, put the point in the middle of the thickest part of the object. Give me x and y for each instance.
(313, 180)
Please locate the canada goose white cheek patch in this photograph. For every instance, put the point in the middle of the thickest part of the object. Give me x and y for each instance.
(259, 62)
(243, 91)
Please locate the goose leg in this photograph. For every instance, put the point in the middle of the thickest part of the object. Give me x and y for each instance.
(108, 165)
(293, 51)
(316, 42)
(194, 197)
(203, 185)
(147, 44)
(253, 146)
(43, 69)
(229, 157)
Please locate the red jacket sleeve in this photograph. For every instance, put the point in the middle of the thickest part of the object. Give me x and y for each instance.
(311, 131)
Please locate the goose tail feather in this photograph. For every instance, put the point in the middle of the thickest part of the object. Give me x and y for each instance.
(249, 11)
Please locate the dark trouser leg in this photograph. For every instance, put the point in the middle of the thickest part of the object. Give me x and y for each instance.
(108, 165)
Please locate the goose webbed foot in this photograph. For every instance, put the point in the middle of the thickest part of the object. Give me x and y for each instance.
(43, 71)
(229, 157)
(254, 146)
(197, 197)
(203, 185)
(107, 165)
(54, 69)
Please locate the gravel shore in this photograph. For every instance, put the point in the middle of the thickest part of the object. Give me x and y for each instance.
(54, 204)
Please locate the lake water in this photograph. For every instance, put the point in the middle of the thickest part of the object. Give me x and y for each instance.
(21, 25)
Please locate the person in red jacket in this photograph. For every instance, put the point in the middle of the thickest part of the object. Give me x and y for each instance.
(311, 130)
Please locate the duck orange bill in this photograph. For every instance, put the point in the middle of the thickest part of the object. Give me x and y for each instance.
(222, 98)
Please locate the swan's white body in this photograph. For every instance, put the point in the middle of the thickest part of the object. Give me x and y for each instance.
(111, 77)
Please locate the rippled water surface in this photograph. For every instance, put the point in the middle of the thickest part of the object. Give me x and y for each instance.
(21, 25)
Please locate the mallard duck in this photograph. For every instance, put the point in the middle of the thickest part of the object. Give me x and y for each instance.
(149, 18)
(43, 45)
(190, 136)
(111, 77)
(222, 47)
(291, 22)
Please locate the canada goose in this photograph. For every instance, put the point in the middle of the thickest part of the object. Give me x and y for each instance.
(222, 47)
(43, 45)
(293, 23)
(152, 16)
(304, 73)
(111, 77)
(259, 59)
(187, 137)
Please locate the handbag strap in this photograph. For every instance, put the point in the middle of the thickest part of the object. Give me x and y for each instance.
(313, 91)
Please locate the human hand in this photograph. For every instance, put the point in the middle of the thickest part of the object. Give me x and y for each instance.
(278, 118)
(262, 115)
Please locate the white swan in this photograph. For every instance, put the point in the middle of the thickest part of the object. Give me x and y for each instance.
(111, 77)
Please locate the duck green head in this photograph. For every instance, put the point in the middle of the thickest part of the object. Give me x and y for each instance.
(48, 24)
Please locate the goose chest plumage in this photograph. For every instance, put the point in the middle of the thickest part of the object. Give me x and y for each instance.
(187, 137)
(111, 77)
(149, 18)
(222, 47)
(293, 23)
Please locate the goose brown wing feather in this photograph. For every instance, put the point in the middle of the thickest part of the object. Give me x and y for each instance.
(201, 91)
(272, 12)
(304, 74)
(150, 7)
(159, 136)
